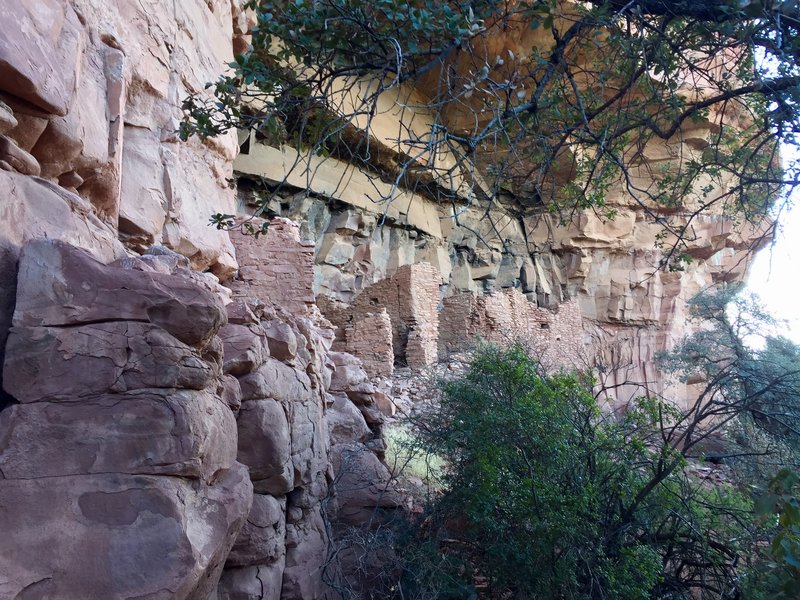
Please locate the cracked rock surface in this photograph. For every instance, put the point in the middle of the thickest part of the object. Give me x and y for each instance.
(118, 472)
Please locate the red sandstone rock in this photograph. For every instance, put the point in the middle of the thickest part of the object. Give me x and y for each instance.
(265, 446)
(277, 380)
(61, 285)
(245, 348)
(7, 120)
(282, 341)
(179, 433)
(69, 363)
(384, 404)
(17, 158)
(231, 393)
(346, 377)
(240, 313)
(162, 537)
(306, 551)
(251, 583)
(344, 358)
(262, 538)
(345, 422)
(363, 490)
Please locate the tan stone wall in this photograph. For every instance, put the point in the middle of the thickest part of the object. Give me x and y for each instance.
(421, 333)
(275, 267)
(410, 298)
(508, 316)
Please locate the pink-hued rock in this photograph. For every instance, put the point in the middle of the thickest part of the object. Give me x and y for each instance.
(384, 404)
(30, 124)
(70, 180)
(19, 160)
(241, 314)
(31, 208)
(181, 433)
(252, 583)
(347, 376)
(345, 422)
(7, 119)
(261, 540)
(61, 285)
(245, 348)
(231, 392)
(68, 363)
(309, 444)
(306, 549)
(344, 358)
(372, 415)
(144, 201)
(361, 393)
(277, 380)
(364, 488)
(265, 446)
(118, 536)
(39, 53)
(282, 340)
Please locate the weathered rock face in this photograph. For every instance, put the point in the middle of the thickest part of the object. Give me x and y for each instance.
(120, 441)
(597, 291)
(90, 99)
(163, 436)
(95, 90)
(139, 412)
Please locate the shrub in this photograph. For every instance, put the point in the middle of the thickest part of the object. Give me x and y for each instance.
(545, 497)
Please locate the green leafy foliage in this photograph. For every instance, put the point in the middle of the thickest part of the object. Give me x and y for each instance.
(752, 381)
(569, 125)
(778, 576)
(547, 498)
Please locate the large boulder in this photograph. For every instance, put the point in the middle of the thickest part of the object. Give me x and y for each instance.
(365, 491)
(277, 380)
(118, 536)
(60, 285)
(245, 348)
(154, 432)
(31, 208)
(306, 550)
(265, 446)
(261, 540)
(345, 422)
(68, 363)
(260, 582)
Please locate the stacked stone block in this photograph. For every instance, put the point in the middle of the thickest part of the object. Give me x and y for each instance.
(118, 471)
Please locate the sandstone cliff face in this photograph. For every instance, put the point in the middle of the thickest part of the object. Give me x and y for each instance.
(164, 435)
(90, 95)
(160, 435)
(594, 292)
(118, 472)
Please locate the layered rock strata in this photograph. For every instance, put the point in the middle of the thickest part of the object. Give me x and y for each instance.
(163, 436)
(309, 429)
(608, 274)
(141, 407)
(118, 471)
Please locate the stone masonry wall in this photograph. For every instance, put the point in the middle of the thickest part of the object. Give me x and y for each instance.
(276, 266)
(508, 316)
(369, 337)
(308, 428)
(410, 297)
